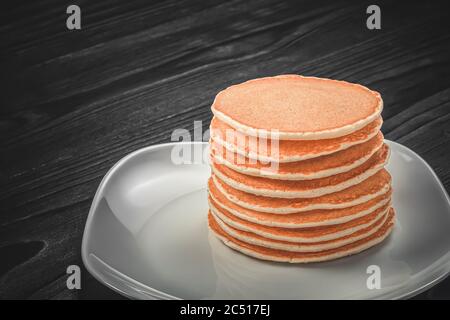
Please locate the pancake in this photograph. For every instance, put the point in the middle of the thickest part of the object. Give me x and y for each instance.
(288, 150)
(258, 240)
(304, 235)
(313, 218)
(315, 168)
(302, 188)
(304, 108)
(301, 257)
(370, 188)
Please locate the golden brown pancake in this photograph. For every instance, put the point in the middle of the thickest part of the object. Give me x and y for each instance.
(301, 188)
(298, 107)
(259, 240)
(315, 168)
(301, 257)
(298, 169)
(313, 234)
(370, 188)
(313, 218)
(287, 150)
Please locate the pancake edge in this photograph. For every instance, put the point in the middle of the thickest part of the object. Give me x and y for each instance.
(268, 173)
(329, 222)
(334, 256)
(338, 242)
(256, 156)
(312, 193)
(327, 237)
(291, 209)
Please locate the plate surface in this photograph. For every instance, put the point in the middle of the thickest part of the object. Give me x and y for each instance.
(146, 237)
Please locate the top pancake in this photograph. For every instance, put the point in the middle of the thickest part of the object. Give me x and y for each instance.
(303, 108)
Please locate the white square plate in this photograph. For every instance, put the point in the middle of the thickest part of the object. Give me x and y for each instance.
(146, 237)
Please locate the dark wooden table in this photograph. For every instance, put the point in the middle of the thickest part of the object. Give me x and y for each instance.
(75, 102)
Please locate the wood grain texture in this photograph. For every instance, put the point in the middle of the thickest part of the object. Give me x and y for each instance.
(74, 102)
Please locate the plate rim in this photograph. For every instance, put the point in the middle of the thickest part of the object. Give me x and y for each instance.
(157, 294)
(95, 202)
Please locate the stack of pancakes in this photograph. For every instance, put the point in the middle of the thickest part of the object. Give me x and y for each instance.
(298, 169)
